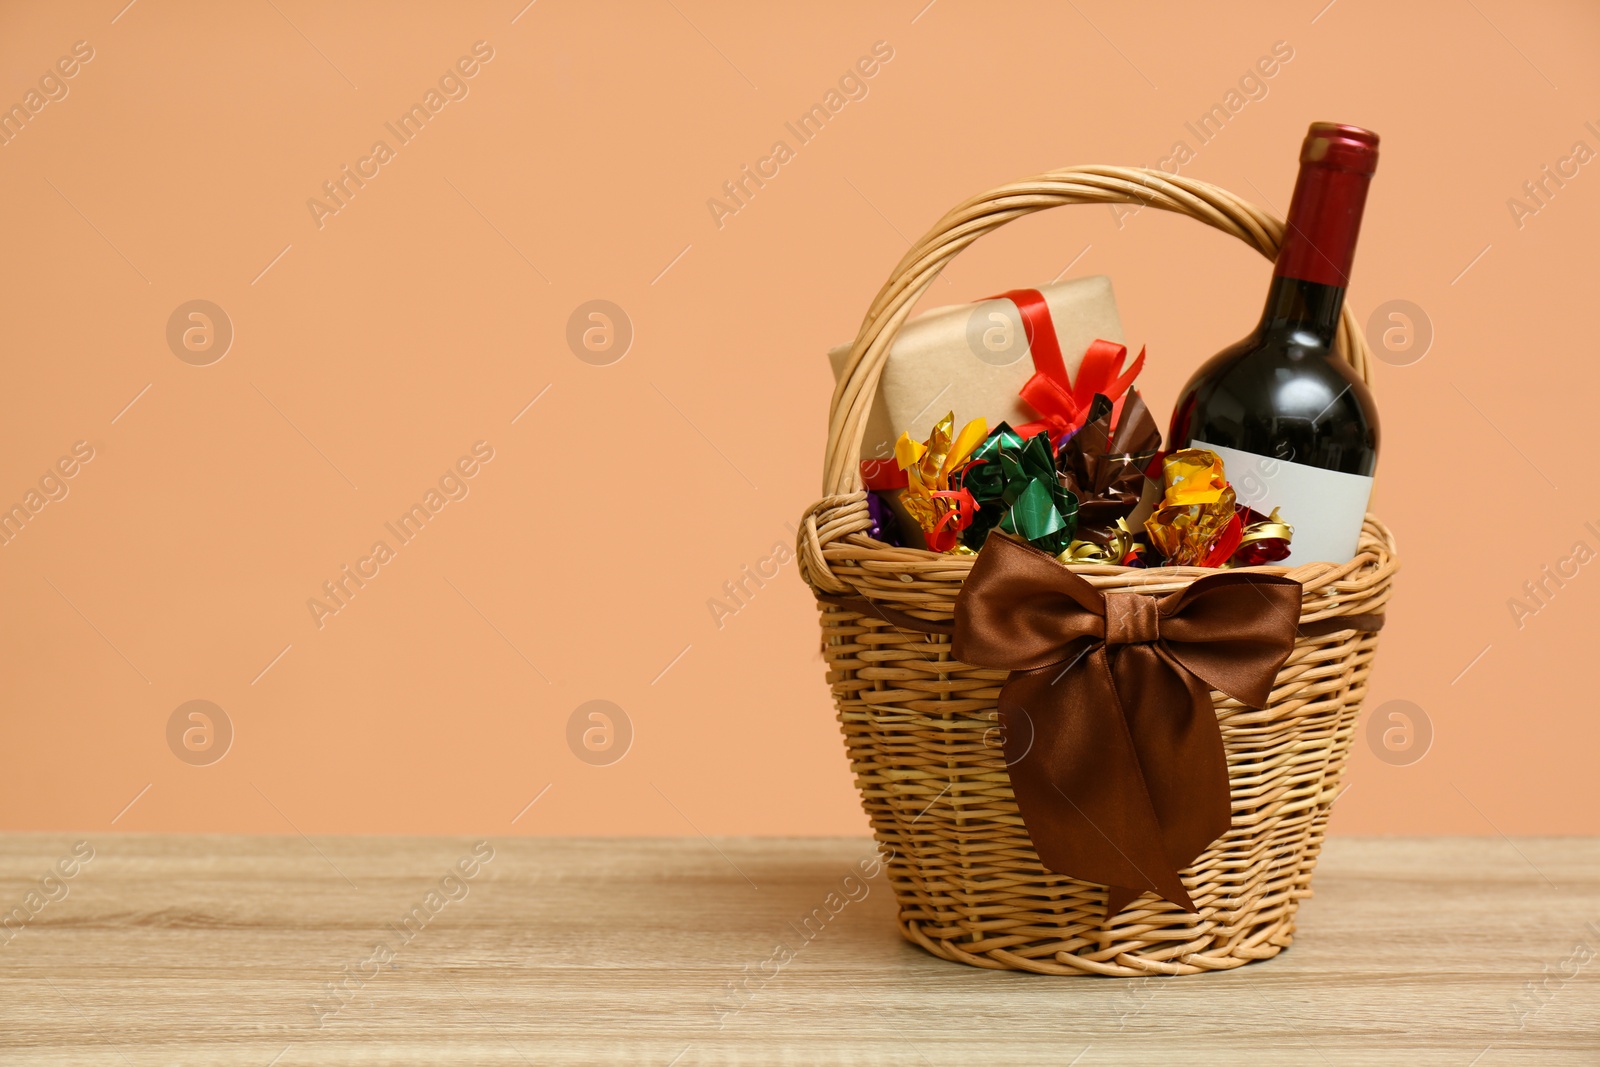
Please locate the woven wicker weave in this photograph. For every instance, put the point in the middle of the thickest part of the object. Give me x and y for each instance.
(921, 728)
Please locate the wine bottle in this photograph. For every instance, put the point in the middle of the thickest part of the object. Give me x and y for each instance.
(1293, 423)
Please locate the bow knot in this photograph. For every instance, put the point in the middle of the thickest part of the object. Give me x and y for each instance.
(1061, 399)
(1111, 739)
(1132, 619)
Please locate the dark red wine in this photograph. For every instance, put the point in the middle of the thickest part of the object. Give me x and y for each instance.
(1293, 423)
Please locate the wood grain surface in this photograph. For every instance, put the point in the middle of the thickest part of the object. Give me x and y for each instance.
(290, 951)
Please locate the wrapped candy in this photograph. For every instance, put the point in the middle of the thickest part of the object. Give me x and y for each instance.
(984, 478)
(885, 484)
(1196, 511)
(1263, 539)
(1016, 487)
(1198, 523)
(941, 511)
(1044, 514)
(885, 526)
(1104, 465)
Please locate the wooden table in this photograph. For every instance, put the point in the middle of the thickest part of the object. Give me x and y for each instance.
(261, 951)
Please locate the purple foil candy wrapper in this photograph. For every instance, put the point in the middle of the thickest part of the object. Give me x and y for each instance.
(884, 526)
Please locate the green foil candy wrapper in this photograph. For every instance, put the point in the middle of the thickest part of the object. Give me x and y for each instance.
(986, 481)
(1017, 489)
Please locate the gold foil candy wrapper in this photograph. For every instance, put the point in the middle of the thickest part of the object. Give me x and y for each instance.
(1196, 508)
(939, 509)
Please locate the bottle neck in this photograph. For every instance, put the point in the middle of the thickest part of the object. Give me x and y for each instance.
(1319, 236)
(1312, 270)
(1295, 305)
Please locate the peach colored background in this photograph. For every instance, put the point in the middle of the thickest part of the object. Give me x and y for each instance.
(426, 314)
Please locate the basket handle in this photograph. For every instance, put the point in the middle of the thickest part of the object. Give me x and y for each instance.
(858, 385)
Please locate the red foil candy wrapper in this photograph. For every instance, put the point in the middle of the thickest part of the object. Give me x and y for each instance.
(1262, 539)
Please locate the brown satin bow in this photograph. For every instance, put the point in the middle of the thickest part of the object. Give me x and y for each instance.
(1111, 739)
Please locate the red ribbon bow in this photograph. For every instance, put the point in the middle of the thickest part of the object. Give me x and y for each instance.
(1111, 738)
(1061, 402)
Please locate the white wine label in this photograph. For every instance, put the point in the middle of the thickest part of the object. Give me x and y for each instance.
(1325, 507)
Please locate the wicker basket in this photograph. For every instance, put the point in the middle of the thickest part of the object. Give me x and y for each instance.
(921, 727)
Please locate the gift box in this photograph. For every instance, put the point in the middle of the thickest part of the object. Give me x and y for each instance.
(975, 359)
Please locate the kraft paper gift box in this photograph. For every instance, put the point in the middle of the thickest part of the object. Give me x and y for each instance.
(973, 358)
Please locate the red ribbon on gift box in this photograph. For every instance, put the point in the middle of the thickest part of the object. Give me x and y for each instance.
(1062, 403)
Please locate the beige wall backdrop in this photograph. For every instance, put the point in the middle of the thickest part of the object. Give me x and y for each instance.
(382, 324)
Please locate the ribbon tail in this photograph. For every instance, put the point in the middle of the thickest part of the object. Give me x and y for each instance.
(1101, 363)
(1116, 389)
(1118, 897)
(1076, 775)
(1174, 729)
